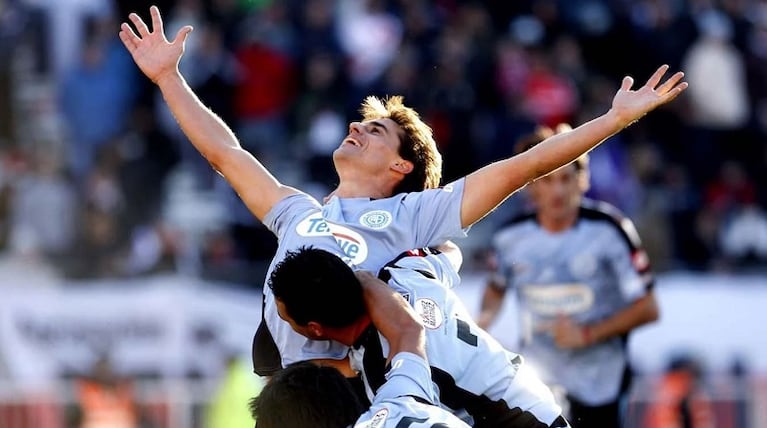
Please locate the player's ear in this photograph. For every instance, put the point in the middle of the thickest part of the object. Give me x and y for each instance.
(316, 330)
(402, 166)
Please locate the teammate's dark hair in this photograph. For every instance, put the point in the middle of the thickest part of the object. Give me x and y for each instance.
(305, 395)
(316, 285)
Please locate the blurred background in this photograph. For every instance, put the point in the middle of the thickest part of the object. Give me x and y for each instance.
(127, 263)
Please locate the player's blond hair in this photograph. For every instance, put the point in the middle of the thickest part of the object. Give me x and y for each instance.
(417, 143)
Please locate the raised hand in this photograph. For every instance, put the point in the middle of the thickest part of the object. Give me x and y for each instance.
(152, 52)
(630, 105)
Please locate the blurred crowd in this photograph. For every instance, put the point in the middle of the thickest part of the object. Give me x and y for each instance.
(97, 180)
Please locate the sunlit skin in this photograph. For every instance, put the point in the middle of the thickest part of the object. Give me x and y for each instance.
(484, 189)
(316, 331)
(310, 331)
(371, 150)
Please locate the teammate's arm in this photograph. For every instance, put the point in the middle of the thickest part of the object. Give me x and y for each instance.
(569, 335)
(489, 186)
(392, 316)
(635, 280)
(641, 311)
(492, 300)
(158, 59)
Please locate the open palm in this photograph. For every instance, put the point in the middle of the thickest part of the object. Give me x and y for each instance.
(631, 105)
(152, 52)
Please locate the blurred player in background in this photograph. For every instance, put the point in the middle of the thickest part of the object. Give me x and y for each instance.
(583, 283)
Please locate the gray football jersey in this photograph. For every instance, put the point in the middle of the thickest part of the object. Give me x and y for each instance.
(588, 272)
(472, 370)
(366, 233)
(407, 399)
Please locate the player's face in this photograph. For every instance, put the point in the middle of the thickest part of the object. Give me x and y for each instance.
(557, 196)
(303, 330)
(371, 145)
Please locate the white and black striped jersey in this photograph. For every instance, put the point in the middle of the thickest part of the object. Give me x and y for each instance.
(587, 272)
(407, 399)
(473, 372)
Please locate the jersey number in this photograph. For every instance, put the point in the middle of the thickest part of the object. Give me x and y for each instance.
(465, 334)
(408, 420)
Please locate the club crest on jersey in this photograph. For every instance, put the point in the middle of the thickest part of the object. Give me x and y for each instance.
(351, 243)
(430, 312)
(377, 219)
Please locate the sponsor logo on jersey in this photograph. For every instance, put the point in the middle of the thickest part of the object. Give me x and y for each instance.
(556, 299)
(430, 312)
(351, 243)
(377, 219)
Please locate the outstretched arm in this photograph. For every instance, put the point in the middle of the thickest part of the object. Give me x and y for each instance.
(492, 184)
(392, 316)
(158, 59)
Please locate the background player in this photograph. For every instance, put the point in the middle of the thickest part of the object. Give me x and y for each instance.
(583, 283)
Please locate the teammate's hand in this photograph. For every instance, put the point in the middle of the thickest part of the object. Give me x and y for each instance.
(152, 52)
(630, 105)
(567, 334)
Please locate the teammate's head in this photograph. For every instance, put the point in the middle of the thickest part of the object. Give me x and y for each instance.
(557, 195)
(305, 395)
(314, 288)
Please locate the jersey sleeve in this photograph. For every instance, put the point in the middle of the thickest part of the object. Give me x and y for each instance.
(444, 270)
(630, 262)
(409, 376)
(283, 212)
(436, 214)
(430, 263)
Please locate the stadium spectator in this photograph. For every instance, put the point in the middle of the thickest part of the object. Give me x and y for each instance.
(680, 399)
(105, 399)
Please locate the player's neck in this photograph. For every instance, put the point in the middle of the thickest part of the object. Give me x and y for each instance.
(374, 189)
(349, 335)
(556, 224)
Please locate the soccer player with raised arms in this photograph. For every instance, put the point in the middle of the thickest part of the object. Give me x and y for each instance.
(388, 199)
